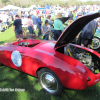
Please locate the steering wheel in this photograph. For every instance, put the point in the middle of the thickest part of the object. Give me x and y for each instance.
(23, 43)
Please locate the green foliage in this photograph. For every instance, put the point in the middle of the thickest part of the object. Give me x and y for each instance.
(62, 3)
(4, 1)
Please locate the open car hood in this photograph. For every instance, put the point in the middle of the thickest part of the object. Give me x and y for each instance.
(69, 34)
(64, 19)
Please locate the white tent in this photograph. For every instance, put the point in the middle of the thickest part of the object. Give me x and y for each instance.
(33, 6)
(10, 7)
(25, 9)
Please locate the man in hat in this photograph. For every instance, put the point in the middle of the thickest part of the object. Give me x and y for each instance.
(17, 26)
(78, 15)
(58, 26)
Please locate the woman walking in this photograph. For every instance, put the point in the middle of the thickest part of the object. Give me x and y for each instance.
(30, 27)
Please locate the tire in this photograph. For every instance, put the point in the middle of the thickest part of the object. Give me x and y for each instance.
(0, 63)
(96, 43)
(49, 82)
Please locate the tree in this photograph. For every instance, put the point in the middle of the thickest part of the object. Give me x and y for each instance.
(1, 4)
(63, 3)
(4, 1)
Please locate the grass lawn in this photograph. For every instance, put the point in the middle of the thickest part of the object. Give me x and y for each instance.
(6, 35)
(30, 88)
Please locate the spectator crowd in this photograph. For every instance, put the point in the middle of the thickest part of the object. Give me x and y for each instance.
(46, 21)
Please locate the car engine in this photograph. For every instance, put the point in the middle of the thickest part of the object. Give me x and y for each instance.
(80, 54)
(83, 57)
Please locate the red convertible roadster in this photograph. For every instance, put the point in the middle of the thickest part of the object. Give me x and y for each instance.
(57, 64)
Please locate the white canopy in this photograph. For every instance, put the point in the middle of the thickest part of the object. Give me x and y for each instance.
(10, 7)
(33, 6)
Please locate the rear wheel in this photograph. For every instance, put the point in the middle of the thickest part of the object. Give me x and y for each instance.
(50, 82)
(95, 43)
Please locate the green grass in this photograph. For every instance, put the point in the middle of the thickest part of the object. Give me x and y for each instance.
(6, 35)
(11, 79)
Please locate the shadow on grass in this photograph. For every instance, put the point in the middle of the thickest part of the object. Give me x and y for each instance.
(12, 79)
(1, 42)
(6, 28)
(5, 41)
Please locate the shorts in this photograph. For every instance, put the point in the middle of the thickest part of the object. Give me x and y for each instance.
(18, 33)
(24, 28)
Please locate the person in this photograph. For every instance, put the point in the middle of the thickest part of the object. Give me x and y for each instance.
(30, 27)
(39, 22)
(24, 24)
(1, 25)
(35, 22)
(70, 20)
(45, 30)
(78, 15)
(78, 37)
(51, 24)
(47, 6)
(88, 33)
(17, 27)
(84, 12)
(5, 17)
(58, 26)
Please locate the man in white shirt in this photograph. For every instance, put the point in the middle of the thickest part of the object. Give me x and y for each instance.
(24, 24)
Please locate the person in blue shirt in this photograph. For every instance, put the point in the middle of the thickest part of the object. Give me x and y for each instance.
(39, 22)
(47, 6)
(17, 26)
(88, 33)
(32, 16)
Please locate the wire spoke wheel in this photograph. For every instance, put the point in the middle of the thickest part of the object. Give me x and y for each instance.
(95, 43)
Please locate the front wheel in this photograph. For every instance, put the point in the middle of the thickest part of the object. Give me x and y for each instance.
(0, 63)
(95, 43)
(49, 82)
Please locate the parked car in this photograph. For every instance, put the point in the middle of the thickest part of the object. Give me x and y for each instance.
(96, 40)
(57, 64)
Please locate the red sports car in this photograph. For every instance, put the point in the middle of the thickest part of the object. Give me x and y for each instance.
(57, 64)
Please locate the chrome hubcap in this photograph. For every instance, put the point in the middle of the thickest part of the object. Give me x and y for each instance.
(49, 82)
